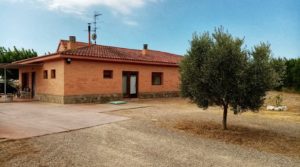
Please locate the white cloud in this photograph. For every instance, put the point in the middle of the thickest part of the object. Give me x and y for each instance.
(124, 7)
(130, 22)
(119, 8)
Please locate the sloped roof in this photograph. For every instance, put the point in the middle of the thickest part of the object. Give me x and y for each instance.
(64, 44)
(109, 52)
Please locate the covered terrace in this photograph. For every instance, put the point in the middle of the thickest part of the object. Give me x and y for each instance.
(24, 91)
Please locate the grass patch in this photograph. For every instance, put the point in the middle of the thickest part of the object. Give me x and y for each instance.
(259, 139)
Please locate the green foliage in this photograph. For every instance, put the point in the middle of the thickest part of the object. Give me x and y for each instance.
(288, 73)
(278, 100)
(258, 77)
(8, 56)
(292, 79)
(279, 65)
(217, 70)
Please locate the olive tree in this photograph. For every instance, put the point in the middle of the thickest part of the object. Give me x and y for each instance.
(218, 70)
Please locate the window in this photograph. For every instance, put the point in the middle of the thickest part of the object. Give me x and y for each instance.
(45, 74)
(107, 74)
(157, 78)
(53, 74)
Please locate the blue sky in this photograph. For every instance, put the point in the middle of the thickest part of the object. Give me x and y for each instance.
(166, 25)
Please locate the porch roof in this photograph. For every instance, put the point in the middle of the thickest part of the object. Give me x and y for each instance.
(16, 65)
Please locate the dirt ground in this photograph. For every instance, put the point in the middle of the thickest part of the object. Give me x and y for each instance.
(271, 131)
(170, 132)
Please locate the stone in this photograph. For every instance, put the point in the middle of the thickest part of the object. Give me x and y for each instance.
(276, 108)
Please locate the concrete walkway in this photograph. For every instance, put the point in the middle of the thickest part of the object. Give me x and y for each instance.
(24, 120)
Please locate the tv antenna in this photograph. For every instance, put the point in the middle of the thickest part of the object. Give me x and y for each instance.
(94, 35)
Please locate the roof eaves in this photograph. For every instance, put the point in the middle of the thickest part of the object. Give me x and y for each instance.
(37, 58)
(87, 57)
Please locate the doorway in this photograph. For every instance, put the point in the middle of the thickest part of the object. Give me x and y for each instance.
(25, 81)
(33, 84)
(130, 84)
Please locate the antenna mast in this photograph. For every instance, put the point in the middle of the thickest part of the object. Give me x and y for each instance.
(94, 36)
(89, 33)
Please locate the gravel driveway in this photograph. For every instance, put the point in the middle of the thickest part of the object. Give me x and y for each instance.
(140, 141)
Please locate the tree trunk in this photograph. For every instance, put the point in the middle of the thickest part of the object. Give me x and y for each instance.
(225, 117)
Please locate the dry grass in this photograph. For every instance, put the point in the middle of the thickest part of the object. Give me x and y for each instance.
(259, 139)
(179, 114)
(291, 100)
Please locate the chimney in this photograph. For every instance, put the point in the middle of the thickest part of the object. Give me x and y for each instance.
(89, 33)
(72, 39)
(145, 49)
(71, 43)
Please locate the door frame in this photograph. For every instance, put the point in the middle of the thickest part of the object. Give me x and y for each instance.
(128, 74)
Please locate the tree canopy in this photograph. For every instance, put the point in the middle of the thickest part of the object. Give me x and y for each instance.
(218, 70)
(10, 55)
(292, 78)
(279, 65)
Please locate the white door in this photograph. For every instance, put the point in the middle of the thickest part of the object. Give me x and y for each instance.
(132, 84)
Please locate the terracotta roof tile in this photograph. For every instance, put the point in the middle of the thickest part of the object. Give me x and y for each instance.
(64, 44)
(109, 52)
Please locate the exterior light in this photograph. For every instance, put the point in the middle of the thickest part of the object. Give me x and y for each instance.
(68, 60)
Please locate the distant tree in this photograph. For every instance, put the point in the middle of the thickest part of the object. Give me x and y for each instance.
(8, 56)
(217, 70)
(296, 71)
(279, 65)
(292, 79)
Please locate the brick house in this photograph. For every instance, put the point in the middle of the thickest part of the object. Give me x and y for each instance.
(83, 73)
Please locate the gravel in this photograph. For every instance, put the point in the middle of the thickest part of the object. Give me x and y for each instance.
(140, 141)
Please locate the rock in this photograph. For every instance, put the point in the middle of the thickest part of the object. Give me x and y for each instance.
(276, 108)
(270, 107)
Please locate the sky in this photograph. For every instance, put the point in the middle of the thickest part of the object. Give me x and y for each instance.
(165, 25)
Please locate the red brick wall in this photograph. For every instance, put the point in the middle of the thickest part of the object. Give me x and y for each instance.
(86, 77)
(47, 86)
